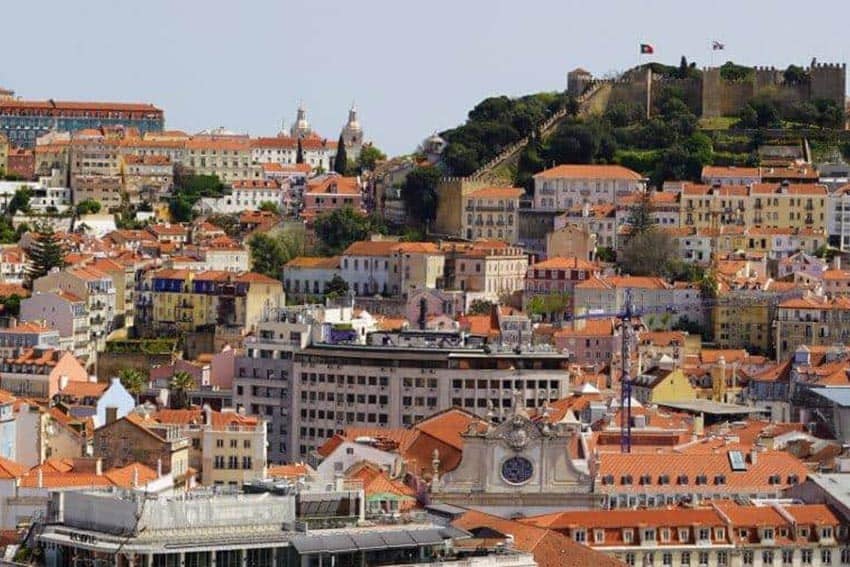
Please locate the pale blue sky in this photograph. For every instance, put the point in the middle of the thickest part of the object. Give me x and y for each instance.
(412, 67)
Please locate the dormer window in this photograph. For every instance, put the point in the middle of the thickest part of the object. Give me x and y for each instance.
(704, 534)
(626, 480)
(664, 479)
(648, 534)
(608, 479)
(767, 534)
(793, 479)
(684, 535)
(682, 479)
(719, 534)
(702, 479)
(774, 479)
(804, 532)
(826, 532)
(598, 536)
(645, 479)
(580, 535)
(628, 535)
(665, 535)
(720, 479)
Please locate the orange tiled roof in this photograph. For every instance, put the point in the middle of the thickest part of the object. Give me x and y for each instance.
(316, 262)
(791, 189)
(561, 263)
(333, 184)
(590, 172)
(84, 389)
(296, 470)
(496, 193)
(755, 478)
(549, 548)
(730, 171)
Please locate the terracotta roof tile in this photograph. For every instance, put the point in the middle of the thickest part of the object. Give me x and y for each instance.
(590, 172)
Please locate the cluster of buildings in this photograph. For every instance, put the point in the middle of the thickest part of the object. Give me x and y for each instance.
(457, 398)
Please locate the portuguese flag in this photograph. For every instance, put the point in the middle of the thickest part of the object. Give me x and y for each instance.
(646, 49)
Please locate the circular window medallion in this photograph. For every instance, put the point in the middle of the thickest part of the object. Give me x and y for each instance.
(517, 470)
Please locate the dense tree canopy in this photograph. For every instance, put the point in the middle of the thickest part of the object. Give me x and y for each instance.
(419, 193)
(339, 228)
(270, 251)
(369, 156)
(20, 201)
(492, 125)
(88, 207)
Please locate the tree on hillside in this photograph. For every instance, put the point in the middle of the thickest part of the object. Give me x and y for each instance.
(795, 75)
(270, 251)
(647, 254)
(369, 156)
(640, 216)
(339, 228)
(45, 253)
(299, 153)
(419, 193)
(11, 304)
(480, 307)
(270, 207)
(20, 201)
(341, 158)
(229, 223)
(336, 287)
(88, 207)
(179, 386)
(133, 381)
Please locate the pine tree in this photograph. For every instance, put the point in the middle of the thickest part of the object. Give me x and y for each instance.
(299, 155)
(341, 159)
(46, 253)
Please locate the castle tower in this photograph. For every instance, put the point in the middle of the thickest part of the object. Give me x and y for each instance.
(352, 134)
(300, 128)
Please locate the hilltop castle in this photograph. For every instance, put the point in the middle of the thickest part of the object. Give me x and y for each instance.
(710, 95)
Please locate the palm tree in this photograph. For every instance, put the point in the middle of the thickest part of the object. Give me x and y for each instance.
(179, 386)
(134, 381)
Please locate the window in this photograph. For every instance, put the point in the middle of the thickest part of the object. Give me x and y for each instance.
(233, 443)
(826, 557)
(703, 558)
(686, 558)
(580, 536)
(704, 534)
(826, 533)
(630, 559)
(767, 535)
(246, 463)
(627, 535)
(806, 556)
(246, 444)
(748, 557)
(649, 534)
(722, 559)
(665, 535)
(218, 462)
(767, 557)
(683, 535)
(667, 558)
(219, 443)
(720, 534)
(845, 556)
(787, 556)
(598, 536)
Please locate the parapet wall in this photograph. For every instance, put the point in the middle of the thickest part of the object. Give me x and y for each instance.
(711, 96)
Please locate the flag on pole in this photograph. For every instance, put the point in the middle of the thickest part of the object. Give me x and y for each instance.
(717, 46)
(646, 49)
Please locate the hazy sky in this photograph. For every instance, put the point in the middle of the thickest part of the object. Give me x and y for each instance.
(411, 67)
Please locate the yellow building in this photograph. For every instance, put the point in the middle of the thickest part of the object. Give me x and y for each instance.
(226, 447)
(663, 384)
(227, 157)
(183, 300)
(770, 205)
(4, 153)
(492, 212)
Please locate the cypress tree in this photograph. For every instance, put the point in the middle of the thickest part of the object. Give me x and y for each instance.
(299, 154)
(46, 253)
(341, 159)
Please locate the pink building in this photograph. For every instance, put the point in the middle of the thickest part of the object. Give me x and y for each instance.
(330, 192)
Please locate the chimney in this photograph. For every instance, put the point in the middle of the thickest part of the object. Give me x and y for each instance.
(753, 456)
(40, 478)
(111, 414)
(98, 467)
(135, 476)
(699, 425)
(836, 262)
(159, 468)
